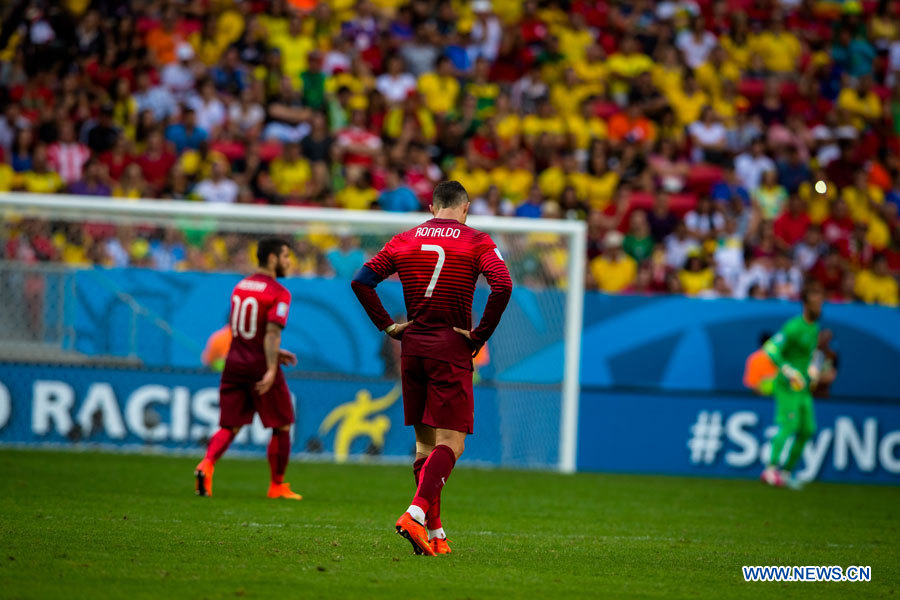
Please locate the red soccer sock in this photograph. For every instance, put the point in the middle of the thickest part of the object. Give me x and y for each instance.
(278, 453)
(433, 516)
(218, 444)
(434, 475)
(417, 468)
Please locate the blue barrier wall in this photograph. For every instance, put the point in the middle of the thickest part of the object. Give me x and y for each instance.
(327, 327)
(675, 343)
(654, 343)
(661, 379)
(728, 436)
(179, 411)
(725, 436)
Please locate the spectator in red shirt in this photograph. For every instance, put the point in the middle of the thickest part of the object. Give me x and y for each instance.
(829, 272)
(156, 162)
(838, 227)
(118, 158)
(790, 226)
(856, 249)
(355, 144)
(532, 29)
(67, 156)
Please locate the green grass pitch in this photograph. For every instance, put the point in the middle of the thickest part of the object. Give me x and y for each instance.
(90, 525)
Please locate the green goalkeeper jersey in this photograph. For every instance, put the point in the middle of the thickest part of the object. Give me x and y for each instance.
(794, 345)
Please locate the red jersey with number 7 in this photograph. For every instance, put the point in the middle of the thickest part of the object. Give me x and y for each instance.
(255, 302)
(438, 263)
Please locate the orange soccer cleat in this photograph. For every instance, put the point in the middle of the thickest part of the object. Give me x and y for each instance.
(204, 474)
(283, 490)
(440, 545)
(416, 533)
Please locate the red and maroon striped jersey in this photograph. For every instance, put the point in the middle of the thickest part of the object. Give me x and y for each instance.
(255, 302)
(438, 263)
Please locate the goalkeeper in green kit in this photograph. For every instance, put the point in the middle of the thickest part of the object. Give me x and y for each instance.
(791, 349)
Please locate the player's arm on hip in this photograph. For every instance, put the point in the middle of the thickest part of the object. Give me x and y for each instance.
(492, 266)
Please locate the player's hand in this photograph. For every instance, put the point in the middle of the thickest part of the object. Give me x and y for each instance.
(794, 377)
(464, 332)
(396, 330)
(475, 346)
(265, 384)
(286, 357)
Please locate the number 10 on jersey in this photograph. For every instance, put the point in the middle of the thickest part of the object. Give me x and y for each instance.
(243, 316)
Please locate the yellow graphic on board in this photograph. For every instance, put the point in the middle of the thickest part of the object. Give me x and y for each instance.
(359, 418)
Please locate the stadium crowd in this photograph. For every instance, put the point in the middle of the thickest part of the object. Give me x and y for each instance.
(714, 147)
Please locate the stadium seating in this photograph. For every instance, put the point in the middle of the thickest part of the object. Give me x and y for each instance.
(543, 109)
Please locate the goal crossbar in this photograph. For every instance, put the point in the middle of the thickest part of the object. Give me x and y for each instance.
(249, 217)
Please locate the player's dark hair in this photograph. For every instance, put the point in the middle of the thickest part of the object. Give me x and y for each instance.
(267, 246)
(811, 287)
(449, 194)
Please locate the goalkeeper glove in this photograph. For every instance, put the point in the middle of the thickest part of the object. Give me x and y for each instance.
(794, 376)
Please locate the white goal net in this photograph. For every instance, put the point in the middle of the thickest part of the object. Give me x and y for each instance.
(123, 291)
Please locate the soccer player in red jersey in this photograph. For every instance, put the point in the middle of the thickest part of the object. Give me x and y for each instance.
(252, 381)
(438, 263)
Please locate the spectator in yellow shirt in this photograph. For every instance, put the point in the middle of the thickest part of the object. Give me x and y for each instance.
(465, 170)
(290, 172)
(862, 198)
(295, 47)
(737, 43)
(359, 193)
(412, 116)
(877, 285)
(696, 277)
(603, 181)
(6, 177)
(552, 180)
(515, 178)
(592, 69)
(483, 89)
(575, 40)
(132, 185)
(439, 88)
(568, 94)
(862, 103)
(613, 271)
(40, 179)
(507, 124)
(715, 71)
(688, 102)
(586, 127)
(728, 105)
(209, 43)
(779, 48)
(545, 121)
(358, 80)
(818, 204)
(198, 163)
(275, 20)
(626, 64)
(668, 73)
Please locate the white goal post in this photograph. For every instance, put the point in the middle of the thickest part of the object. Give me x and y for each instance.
(290, 220)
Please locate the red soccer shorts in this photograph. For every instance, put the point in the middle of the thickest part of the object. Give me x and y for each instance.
(437, 393)
(238, 401)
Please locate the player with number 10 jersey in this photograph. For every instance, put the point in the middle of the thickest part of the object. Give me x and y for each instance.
(252, 381)
(438, 263)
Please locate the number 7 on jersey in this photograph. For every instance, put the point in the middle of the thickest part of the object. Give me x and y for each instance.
(437, 268)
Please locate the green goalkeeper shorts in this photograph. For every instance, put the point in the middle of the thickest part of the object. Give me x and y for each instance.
(794, 409)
